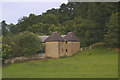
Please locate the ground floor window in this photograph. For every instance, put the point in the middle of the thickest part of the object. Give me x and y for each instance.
(66, 50)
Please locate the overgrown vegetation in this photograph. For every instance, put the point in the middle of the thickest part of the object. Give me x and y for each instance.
(24, 44)
(91, 22)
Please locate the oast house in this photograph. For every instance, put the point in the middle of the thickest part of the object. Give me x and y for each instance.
(61, 45)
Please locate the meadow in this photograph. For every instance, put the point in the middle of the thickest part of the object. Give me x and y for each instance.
(95, 63)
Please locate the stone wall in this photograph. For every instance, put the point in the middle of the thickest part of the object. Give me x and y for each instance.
(24, 59)
(58, 49)
(68, 47)
(62, 48)
(52, 49)
(75, 47)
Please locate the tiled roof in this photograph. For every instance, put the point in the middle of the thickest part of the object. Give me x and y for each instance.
(54, 37)
(71, 37)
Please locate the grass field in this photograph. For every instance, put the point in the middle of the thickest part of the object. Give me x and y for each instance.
(102, 63)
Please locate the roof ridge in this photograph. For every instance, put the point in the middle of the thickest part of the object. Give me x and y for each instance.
(54, 37)
(71, 37)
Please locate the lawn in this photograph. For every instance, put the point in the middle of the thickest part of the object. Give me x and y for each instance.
(95, 63)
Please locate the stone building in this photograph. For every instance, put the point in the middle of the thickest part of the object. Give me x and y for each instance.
(53, 45)
(57, 45)
(71, 44)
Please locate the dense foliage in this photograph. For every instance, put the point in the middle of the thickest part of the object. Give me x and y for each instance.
(87, 20)
(24, 44)
(6, 51)
(111, 38)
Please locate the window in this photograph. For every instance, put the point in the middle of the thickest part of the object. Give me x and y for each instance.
(66, 42)
(66, 50)
(62, 50)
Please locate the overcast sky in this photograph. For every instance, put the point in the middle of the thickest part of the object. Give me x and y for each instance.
(12, 11)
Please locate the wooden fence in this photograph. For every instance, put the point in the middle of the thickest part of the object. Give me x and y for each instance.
(86, 48)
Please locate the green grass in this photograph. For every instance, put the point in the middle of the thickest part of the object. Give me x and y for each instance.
(102, 63)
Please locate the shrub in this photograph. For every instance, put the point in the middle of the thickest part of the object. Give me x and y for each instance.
(29, 43)
(42, 50)
(13, 41)
(98, 45)
(24, 44)
(6, 51)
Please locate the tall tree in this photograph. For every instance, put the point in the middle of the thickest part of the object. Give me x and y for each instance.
(50, 19)
(13, 28)
(5, 28)
(111, 38)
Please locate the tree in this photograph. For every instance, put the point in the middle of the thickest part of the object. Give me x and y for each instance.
(53, 28)
(30, 43)
(6, 51)
(39, 28)
(13, 28)
(50, 19)
(87, 30)
(24, 44)
(5, 28)
(68, 26)
(111, 38)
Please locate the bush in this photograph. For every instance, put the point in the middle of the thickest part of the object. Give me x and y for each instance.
(98, 45)
(29, 43)
(24, 44)
(42, 50)
(6, 51)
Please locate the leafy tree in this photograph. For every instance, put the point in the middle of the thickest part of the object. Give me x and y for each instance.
(52, 11)
(53, 28)
(111, 38)
(24, 22)
(24, 44)
(50, 19)
(13, 28)
(68, 26)
(6, 51)
(4, 28)
(39, 28)
(30, 43)
(87, 30)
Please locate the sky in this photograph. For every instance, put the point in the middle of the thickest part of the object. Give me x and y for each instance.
(12, 11)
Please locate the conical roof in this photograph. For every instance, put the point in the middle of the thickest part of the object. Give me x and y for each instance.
(71, 37)
(54, 37)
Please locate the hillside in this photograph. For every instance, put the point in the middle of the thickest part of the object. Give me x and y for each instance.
(95, 63)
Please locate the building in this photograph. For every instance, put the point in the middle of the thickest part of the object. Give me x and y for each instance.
(71, 44)
(53, 45)
(61, 45)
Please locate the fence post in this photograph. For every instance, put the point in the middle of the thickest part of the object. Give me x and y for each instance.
(12, 61)
(81, 49)
(90, 47)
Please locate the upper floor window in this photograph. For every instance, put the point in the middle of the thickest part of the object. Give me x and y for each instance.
(66, 42)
